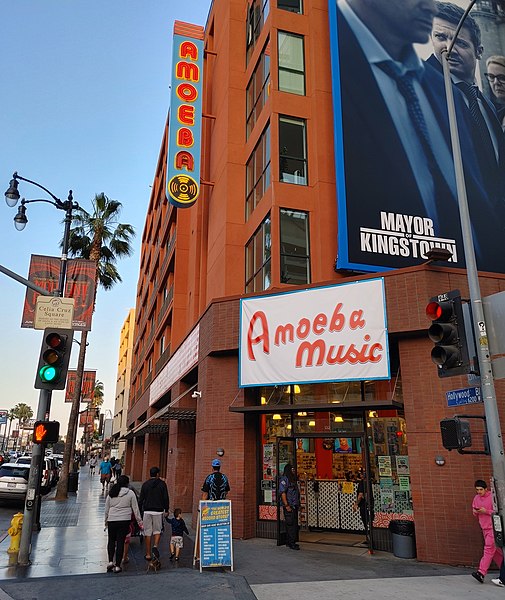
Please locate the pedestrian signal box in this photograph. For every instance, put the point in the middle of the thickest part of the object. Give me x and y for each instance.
(46, 432)
(456, 433)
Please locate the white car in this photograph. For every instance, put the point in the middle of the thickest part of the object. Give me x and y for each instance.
(13, 481)
(47, 473)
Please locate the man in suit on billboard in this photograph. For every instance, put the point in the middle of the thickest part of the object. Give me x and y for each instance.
(486, 130)
(396, 137)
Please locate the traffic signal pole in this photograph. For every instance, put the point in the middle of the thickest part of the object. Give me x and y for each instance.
(31, 515)
(479, 323)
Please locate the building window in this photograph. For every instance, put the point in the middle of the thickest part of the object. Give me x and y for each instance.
(256, 17)
(162, 344)
(258, 89)
(258, 259)
(293, 151)
(291, 63)
(258, 172)
(295, 6)
(295, 249)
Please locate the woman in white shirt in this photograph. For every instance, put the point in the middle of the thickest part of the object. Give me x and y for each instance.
(119, 505)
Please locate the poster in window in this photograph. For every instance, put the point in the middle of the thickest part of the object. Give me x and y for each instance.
(402, 465)
(384, 466)
(396, 182)
(404, 482)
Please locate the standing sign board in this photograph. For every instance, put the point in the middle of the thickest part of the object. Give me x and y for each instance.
(214, 534)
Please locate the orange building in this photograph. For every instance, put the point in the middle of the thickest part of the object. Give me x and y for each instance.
(265, 223)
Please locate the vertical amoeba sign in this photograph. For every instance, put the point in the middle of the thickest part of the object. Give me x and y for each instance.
(185, 123)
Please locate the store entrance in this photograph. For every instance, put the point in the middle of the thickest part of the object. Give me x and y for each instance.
(329, 470)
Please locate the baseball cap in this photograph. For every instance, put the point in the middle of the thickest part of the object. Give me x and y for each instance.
(216, 463)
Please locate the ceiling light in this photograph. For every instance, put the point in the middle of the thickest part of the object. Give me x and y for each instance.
(277, 417)
(312, 423)
(302, 414)
(338, 419)
(263, 400)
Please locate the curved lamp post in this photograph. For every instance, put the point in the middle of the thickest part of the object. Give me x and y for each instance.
(32, 503)
(20, 220)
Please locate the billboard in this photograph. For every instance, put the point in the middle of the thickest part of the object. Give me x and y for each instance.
(80, 283)
(334, 333)
(185, 125)
(396, 182)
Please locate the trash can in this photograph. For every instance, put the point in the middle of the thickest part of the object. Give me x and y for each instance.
(73, 481)
(404, 540)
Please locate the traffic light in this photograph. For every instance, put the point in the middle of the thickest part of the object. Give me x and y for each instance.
(456, 434)
(54, 359)
(46, 432)
(447, 331)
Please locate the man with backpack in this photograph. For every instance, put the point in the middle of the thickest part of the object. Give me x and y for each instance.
(153, 504)
(216, 485)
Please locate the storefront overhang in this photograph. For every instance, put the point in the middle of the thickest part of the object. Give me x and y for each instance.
(159, 422)
(293, 408)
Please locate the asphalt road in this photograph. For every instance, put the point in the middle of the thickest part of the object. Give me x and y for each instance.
(7, 510)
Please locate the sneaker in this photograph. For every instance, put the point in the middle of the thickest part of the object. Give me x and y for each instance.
(497, 582)
(156, 552)
(294, 547)
(117, 569)
(110, 566)
(172, 556)
(176, 558)
(478, 576)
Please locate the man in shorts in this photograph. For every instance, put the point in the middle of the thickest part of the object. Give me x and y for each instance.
(105, 471)
(153, 504)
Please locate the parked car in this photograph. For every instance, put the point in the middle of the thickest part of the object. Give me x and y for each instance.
(13, 481)
(48, 473)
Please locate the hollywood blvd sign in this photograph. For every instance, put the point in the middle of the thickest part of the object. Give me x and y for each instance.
(185, 125)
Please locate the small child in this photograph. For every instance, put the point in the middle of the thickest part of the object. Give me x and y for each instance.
(178, 530)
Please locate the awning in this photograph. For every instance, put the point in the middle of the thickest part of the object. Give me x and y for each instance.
(159, 422)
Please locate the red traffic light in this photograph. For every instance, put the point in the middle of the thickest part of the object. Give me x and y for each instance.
(439, 310)
(55, 340)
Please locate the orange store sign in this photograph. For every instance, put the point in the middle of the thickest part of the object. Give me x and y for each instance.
(185, 123)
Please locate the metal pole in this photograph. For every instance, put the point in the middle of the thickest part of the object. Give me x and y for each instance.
(31, 518)
(479, 323)
(33, 491)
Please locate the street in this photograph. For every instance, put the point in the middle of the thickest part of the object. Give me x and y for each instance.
(7, 510)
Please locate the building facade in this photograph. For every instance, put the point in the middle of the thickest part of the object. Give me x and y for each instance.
(265, 224)
(124, 368)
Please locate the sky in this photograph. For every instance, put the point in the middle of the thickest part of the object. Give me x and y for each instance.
(85, 95)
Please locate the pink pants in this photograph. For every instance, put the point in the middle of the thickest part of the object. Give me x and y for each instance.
(491, 552)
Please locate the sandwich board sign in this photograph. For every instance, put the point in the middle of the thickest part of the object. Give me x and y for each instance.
(214, 546)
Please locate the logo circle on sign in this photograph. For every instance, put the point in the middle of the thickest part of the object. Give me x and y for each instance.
(183, 188)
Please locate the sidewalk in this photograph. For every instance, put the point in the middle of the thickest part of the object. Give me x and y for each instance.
(69, 562)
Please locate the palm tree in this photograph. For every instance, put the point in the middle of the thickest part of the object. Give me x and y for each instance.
(23, 412)
(11, 415)
(97, 236)
(98, 394)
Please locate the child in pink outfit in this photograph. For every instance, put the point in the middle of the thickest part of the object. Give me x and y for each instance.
(482, 507)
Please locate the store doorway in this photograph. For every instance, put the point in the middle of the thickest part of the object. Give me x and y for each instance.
(329, 470)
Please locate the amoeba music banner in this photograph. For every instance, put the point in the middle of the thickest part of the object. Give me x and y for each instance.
(334, 333)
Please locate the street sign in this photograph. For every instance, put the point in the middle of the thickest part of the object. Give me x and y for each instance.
(53, 311)
(470, 395)
(3, 417)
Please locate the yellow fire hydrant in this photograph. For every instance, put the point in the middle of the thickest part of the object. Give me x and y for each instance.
(15, 532)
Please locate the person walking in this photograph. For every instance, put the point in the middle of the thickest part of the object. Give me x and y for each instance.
(105, 471)
(178, 530)
(290, 499)
(119, 505)
(216, 484)
(92, 465)
(363, 506)
(154, 503)
(482, 508)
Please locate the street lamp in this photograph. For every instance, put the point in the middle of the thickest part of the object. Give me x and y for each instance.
(20, 220)
(31, 517)
(479, 323)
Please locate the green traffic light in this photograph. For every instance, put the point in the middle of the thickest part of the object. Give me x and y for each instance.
(48, 374)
